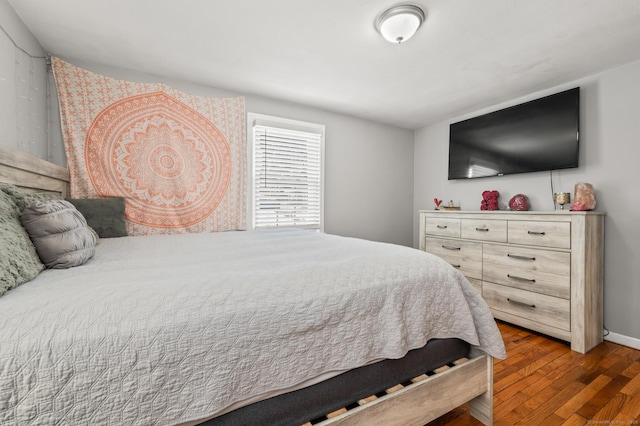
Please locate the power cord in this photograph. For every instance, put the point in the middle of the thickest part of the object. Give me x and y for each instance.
(552, 191)
(20, 48)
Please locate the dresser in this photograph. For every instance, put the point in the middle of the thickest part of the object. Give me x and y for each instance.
(539, 270)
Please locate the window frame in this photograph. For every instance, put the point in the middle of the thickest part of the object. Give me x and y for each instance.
(255, 119)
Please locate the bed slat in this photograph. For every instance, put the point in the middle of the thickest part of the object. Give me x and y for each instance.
(425, 400)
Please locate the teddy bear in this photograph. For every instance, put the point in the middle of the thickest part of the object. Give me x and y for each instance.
(489, 200)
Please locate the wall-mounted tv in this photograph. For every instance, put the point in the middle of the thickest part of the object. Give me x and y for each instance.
(538, 135)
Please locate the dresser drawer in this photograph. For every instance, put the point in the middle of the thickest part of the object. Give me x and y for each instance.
(442, 226)
(529, 259)
(459, 248)
(540, 308)
(545, 234)
(535, 281)
(466, 256)
(485, 230)
(541, 271)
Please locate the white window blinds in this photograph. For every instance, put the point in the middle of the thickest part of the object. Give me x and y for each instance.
(287, 177)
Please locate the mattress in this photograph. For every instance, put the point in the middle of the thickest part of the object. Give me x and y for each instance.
(179, 328)
(313, 403)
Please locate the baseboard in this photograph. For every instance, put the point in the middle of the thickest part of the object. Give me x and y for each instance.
(621, 339)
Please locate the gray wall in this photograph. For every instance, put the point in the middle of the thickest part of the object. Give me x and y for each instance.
(609, 159)
(23, 87)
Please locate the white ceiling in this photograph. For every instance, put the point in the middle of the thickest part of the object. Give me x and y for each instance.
(469, 54)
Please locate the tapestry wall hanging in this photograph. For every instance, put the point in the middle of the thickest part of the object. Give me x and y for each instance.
(179, 160)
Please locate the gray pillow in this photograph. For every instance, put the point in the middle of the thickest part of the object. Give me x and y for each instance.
(60, 233)
(105, 215)
(19, 262)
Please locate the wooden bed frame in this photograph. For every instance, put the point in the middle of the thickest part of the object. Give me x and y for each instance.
(32, 173)
(426, 400)
(415, 404)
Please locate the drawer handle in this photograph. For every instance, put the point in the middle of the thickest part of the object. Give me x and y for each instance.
(450, 247)
(521, 257)
(536, 232)
(517, 302)
(482, 229)
(515, 277)
(455, 266)
(441, 226)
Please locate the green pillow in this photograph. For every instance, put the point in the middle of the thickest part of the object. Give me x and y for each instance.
(24, 199)
(19, 261)
(104, 215)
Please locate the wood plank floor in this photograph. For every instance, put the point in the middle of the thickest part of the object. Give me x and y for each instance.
(542, 382)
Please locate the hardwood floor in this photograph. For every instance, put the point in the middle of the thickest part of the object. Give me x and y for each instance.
(542, 382)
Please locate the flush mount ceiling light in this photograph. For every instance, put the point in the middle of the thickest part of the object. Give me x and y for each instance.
(399, 23)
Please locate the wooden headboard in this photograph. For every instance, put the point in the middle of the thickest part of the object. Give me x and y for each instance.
(32, 173)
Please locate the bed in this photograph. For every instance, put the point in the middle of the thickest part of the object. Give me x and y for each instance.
(287, 327)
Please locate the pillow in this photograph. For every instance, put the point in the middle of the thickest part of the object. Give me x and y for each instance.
(105, 215)
(60, 233)
(24, 199)
(19, 262)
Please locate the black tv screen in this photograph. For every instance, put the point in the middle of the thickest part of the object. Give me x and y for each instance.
(538, 135)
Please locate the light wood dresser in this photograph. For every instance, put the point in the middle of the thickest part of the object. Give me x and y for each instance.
(539, 270)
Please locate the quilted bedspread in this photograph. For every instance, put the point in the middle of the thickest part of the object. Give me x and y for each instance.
(176, 328)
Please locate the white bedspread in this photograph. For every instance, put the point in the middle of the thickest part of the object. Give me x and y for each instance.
(170, 329)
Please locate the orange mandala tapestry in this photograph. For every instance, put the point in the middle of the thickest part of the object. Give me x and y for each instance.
(178, 159)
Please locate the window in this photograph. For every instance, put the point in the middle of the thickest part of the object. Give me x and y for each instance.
(287, 173)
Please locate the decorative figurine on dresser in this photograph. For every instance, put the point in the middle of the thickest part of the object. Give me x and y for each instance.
(540, 270)
(584, 197)
(519, 202)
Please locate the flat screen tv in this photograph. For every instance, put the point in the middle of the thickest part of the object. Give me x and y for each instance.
(538, 135)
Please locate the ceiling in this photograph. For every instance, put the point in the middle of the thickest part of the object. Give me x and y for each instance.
(469, 54)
